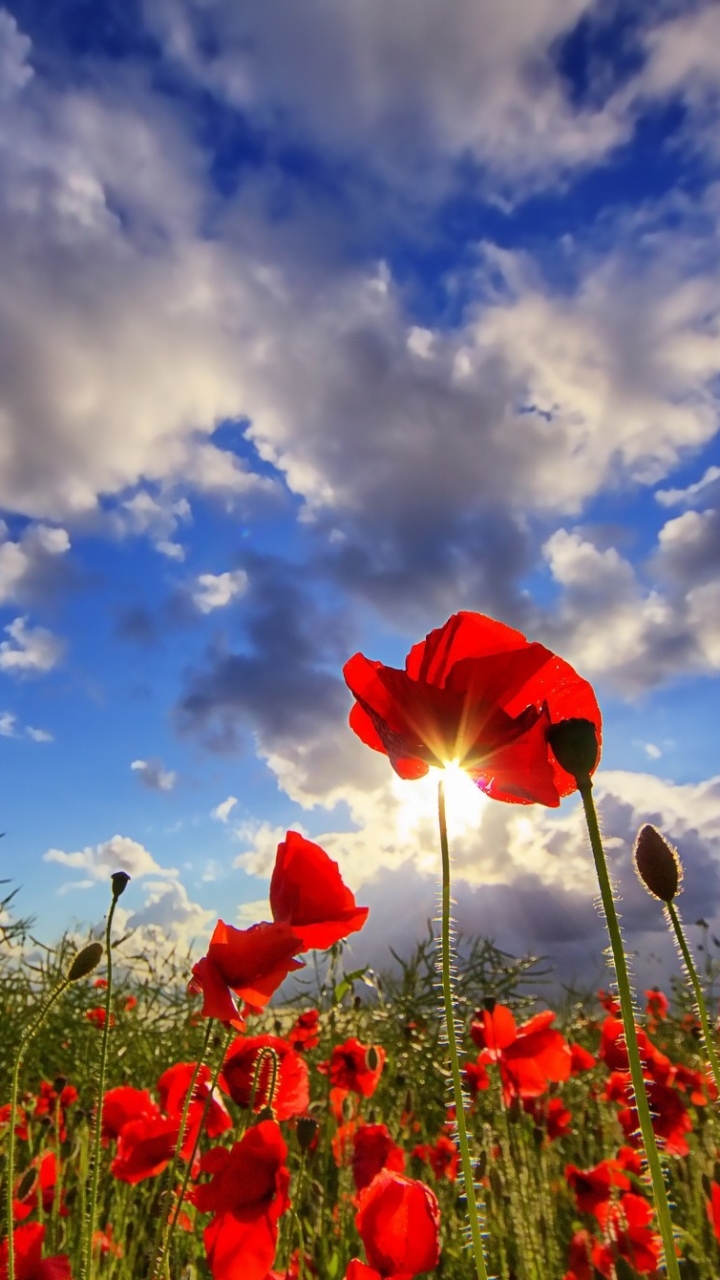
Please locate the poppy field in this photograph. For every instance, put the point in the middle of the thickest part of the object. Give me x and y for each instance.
(261, 1113)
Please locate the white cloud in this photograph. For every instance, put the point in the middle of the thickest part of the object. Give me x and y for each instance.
(30, 650)
(120, 853)
(21, 561)
(153, 776)
(653, 751)
(39, 735)
(7, 724)
(700, 491)
(216, 590)
(223, 810)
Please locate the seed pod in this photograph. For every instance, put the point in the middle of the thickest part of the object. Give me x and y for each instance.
(307, 1127)
(657, 864)
(575, 746)
(85, 961)
(120, 881)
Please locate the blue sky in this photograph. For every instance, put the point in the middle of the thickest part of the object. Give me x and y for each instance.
(318, 323)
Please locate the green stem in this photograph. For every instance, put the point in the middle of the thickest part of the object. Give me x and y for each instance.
(161, 1246)
(662, 1207)
(24, 1042)
(697, 990)
(86, 1267)
(467, 1168)
(188, 1169)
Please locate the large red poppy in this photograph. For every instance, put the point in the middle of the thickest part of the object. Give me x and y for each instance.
(476, 693)
(398, 1220)
(248, 1194)
(29, 1262)
(354, 1067)
(145, 1147)
(292, 1086)
(251, 962)
(307, 892)
(173, 1087)
(122, 1105)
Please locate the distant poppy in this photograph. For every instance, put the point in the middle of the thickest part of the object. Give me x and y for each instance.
(355, 1067)
(98, 1017)
(580, 1257)
(29, 1262)
(54, 1103)
(307, 892)
(441, 1155)
(670, 1118)
(549, 1114)
(248, 1194)
(627, 1234)
(292, 1088)
(251, 962)
(305, 1031)
(713, 1209)
(529, 1056)
(373, 1150)
(173, 1086)
(580, 1059)
(477, 693)
(398, 1220)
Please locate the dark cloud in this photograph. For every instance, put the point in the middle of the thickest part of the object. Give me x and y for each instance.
(277, 686)
(138, 626)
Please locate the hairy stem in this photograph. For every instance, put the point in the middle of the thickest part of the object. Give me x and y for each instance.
(446, 959)
(697, 991)
(662, 1207)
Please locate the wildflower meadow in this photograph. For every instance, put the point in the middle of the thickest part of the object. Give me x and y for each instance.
(265, 1112)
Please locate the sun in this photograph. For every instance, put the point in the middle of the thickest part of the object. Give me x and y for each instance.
(417, 803)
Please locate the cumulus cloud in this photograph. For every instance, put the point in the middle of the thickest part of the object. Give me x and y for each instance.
(153, 775)
(27, 565)
(7, 724)
(223, 810)
(120, 853)
(30, 650)
(216, 590)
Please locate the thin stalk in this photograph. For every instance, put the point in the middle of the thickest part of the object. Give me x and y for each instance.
(697, 990)
(188, 1169)
(86, 1266)
(24, 1042)
(662, 1207)
(467, 1168)
(162, 1244)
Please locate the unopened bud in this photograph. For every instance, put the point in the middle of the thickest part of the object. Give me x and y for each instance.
(307, 1127)
(26, 1184)
(120, 881)
(575, 746)
(372, 1060)
(85, 961)
(59, 1083)
(657, 864)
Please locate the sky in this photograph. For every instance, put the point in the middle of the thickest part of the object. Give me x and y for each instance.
(318, 323)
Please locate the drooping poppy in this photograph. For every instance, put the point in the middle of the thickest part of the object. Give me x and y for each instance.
(251, 962)
(373, 1150)
(29, 1262)
(476, 693)
(248, 1194)
(173, 1086)
(354, 1067)
(529, 1056)
(292, 1086)
(307, 892)
(398, 1220)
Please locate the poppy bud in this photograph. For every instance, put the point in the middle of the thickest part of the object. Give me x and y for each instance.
(575, 746)
(371, 1058)
(657, 864)
(85, 961)
(489, 1003)
(307, 1127)
(26, 1184)
(120, 881)
(59, 1083)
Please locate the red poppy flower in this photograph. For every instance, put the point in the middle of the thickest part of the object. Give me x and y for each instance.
(529, 1056)
(145, 1147)
(628, 1234)
(248, 1194)
(373, 1150)
(580, 1257)
(442, 1156)
(21, 1120)
(580, 1060)
(305, 1032)
(549, 1114)
(29, 1262)
(670, 1119)
(476, 1078)
(613, 1052)
(173, 1086)
(122, 1105)
(657, 1005)
(251, 962)
(55, 1103)
(398, 1220)
(355, 1067)
(292, 1088)
(104, 1244)
(476, 693)
(307, 892)
(595, 1187)
(98, 1017)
